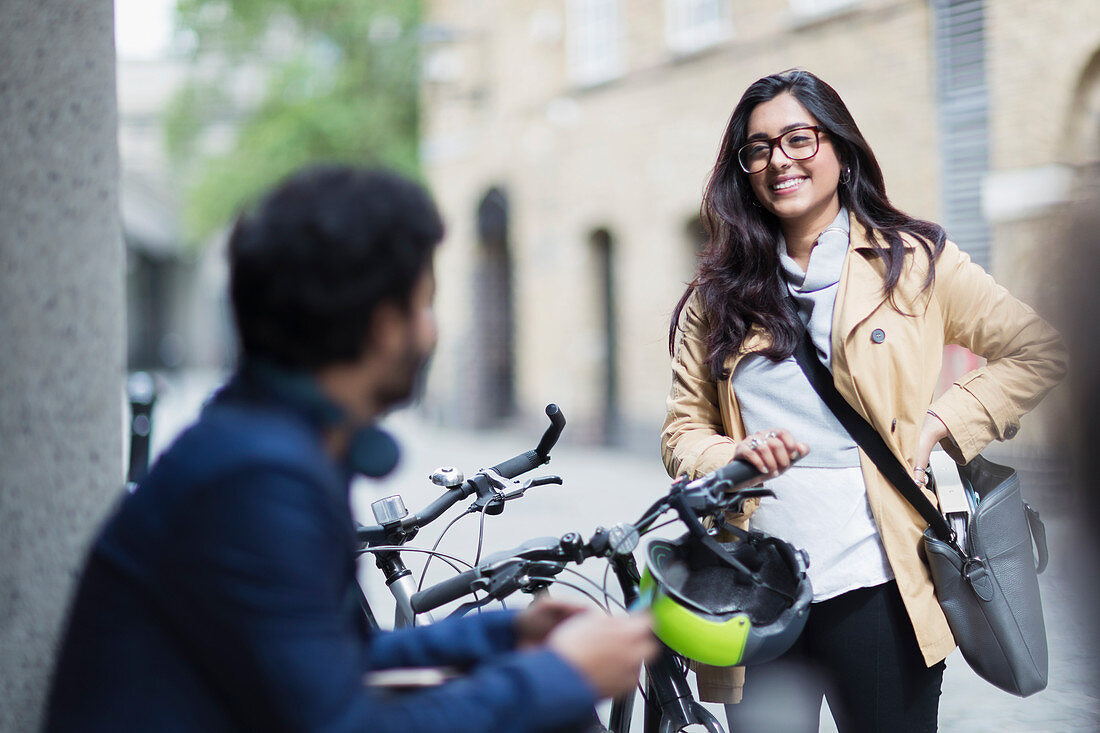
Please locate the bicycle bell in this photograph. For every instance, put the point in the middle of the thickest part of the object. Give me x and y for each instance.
(447, 476)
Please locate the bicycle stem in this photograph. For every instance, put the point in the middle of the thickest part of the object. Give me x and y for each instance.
(400, 582)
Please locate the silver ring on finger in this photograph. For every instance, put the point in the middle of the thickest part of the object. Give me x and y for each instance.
(754, 443)
(773, 434)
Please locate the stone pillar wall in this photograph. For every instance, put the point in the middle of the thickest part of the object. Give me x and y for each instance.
(61, 323)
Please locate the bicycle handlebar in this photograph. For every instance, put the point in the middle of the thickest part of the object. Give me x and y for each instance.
(734, 472)
(700, 497)
(445, 592)
(520, 464)
(524, 462)
(532, 459)
(550, 437)
(433, 511)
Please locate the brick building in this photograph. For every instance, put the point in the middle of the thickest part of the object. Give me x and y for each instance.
(568, 143)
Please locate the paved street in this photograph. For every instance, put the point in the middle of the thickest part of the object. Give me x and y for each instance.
(604, 487)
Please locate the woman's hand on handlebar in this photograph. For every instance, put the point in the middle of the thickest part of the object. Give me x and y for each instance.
(534, 623)
(770, 451)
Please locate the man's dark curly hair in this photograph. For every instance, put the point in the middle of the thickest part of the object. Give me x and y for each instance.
(311, 262)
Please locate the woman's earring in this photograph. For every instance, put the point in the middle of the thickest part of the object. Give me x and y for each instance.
(845, 176)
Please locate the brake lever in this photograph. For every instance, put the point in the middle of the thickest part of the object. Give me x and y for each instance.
(492, 503)
(736, 499)
(490, 486)
(497, 586)
(529, 483)
(504, 580)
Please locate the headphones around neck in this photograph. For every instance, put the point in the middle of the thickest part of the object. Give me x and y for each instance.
(372, 451)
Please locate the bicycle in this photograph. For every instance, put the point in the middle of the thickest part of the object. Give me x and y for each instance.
(536, 564)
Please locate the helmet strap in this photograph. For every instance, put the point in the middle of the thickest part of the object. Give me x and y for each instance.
(699, 532)
(701, 535)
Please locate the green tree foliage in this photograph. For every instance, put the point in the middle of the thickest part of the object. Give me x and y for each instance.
(288, 82)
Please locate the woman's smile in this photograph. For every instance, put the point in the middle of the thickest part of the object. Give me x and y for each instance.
(787, 184)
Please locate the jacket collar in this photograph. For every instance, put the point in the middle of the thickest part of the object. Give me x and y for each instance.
(860, 292)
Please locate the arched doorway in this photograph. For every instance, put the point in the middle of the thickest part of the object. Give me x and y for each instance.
(494, 321)
(1081, 143)
(603, 255)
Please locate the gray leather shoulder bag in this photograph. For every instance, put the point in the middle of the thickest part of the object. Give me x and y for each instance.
(987, 585)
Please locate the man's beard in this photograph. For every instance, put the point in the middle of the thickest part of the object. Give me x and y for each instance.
(408, 379)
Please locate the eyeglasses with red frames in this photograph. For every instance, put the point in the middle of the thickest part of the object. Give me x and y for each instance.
(800, 143)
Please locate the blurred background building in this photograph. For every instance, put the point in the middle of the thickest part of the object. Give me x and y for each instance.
(568, 143)
(176, 310)
(218, 100)
(158, 266)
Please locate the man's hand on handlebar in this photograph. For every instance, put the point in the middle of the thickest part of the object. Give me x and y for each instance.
(534, 623)
(608, 651)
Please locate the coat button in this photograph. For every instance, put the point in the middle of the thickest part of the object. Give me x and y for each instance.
(1010, 432)
(878, 335)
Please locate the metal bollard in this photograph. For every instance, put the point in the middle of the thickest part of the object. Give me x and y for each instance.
(141, 388)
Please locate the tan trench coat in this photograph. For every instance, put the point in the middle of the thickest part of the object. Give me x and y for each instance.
(891, 385)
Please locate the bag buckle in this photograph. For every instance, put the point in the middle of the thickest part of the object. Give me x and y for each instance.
(977, 575)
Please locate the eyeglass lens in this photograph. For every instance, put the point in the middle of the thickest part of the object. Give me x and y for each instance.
(800, 144)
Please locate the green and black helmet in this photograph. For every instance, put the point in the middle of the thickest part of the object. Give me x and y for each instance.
(745, 608)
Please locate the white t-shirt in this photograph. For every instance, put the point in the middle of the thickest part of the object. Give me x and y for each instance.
(824, 511)
(821, 503)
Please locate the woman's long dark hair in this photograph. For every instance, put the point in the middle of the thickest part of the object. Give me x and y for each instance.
(738, 280)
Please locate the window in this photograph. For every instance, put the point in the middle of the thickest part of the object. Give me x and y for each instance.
(964, 112)
(692, 25)
(594, 41)
(819, 7)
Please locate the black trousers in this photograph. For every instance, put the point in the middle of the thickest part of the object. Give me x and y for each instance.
(859, 651)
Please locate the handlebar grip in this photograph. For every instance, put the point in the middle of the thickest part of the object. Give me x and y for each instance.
(522, 463)
(736, 472)
(550, 437)
(532, 459)
(445, 592)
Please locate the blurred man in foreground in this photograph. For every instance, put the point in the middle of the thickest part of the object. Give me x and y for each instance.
(221, 595)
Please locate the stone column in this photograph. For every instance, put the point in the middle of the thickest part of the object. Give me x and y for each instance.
(61, 323)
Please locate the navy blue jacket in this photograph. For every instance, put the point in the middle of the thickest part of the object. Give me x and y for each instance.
(221, 595)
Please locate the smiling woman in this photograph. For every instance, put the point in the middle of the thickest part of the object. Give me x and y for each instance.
(803, 243)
